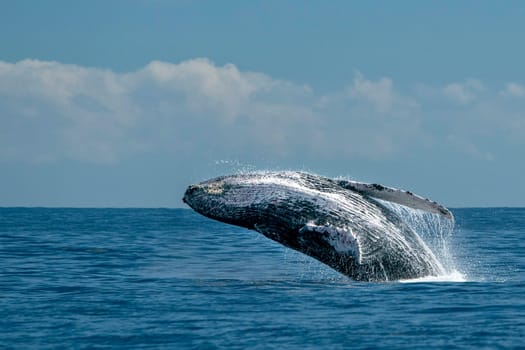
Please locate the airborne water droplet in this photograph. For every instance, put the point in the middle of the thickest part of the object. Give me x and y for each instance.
(436, 231)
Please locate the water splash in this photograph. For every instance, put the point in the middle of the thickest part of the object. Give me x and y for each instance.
(454, 276)
(233, 166)
(436, 231)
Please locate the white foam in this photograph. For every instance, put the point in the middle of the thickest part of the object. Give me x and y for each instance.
(454, 276)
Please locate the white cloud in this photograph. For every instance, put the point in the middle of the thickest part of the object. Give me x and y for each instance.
(464, 92)
(514, 90)
(51, 111)
(380, 93)
(370, 118)
(225, 89)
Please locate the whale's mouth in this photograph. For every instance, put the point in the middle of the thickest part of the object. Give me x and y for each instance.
(191, 193)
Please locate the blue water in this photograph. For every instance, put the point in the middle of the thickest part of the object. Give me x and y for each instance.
(170, 279)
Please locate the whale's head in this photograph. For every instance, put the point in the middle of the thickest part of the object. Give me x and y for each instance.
(223, 198)
(254, 201)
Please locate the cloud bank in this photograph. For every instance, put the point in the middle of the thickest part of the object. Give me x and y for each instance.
(50, 112)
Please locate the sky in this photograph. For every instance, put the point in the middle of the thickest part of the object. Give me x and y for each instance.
(125, 103)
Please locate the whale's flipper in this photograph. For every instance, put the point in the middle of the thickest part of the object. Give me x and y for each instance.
(340, 239)
(395, 195)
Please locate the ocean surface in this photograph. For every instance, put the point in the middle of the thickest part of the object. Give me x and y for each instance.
(171, 279)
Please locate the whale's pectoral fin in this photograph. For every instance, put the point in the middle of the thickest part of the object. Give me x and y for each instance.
(398, 196)
(342, 240)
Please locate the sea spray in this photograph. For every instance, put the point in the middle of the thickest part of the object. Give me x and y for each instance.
(435, 230)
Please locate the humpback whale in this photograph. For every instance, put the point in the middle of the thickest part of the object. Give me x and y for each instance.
(341, 223)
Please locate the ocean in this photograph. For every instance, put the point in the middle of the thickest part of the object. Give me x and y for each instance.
(171, 279)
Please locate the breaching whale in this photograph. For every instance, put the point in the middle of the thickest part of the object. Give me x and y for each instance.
(338, 222)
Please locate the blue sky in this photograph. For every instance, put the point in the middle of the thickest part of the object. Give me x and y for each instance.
(124, 103)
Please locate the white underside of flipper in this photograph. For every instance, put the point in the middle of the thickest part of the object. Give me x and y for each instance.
(342, 240)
